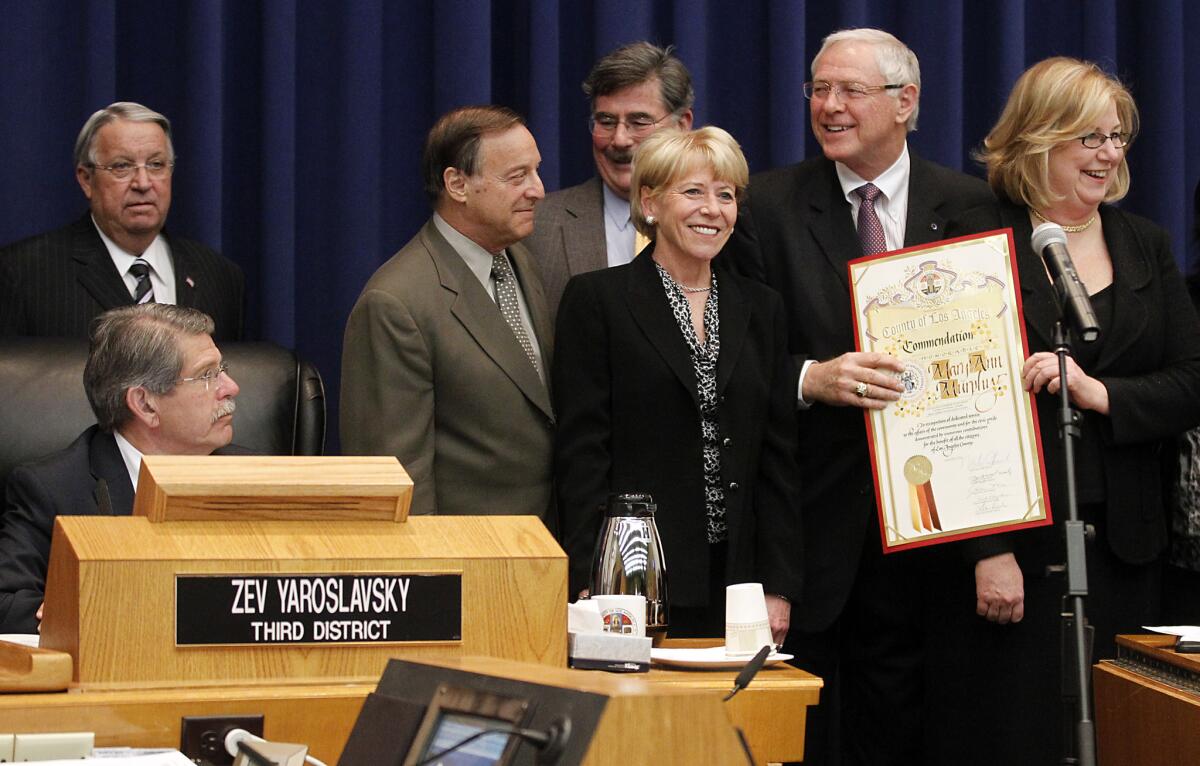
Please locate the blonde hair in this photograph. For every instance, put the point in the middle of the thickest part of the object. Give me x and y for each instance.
(668, 154)
(1054, 101)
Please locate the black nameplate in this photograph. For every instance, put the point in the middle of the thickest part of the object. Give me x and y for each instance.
(317, 608)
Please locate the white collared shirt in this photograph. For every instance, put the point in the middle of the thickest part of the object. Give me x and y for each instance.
(479, 261)
(619, 232)
(132, 457)
(891, 205)
(157, 255)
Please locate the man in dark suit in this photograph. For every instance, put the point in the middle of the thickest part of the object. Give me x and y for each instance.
(447, 350)
(859, 625)
(55, 283)
(157, 385)
(634, 91)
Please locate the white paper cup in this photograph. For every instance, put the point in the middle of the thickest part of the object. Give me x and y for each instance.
(746, 626)
(625, 615)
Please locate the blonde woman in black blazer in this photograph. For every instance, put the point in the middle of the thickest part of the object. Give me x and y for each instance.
(1058, 153)
(668, 364)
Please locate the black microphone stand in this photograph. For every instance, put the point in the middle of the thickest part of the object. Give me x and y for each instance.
(1075, 647)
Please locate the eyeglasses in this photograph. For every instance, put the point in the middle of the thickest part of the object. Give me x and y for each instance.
(123, 171)
(605, 125)
(1096, 140)
(819, 90)
(208, 377)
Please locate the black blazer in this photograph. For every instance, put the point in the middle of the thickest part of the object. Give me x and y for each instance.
(88, 478)
(629, 421)
(795, 232)
(1150, 364)
(55, 283)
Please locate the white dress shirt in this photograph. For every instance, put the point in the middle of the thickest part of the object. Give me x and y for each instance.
(132, 457)
(892, 208)
(157, 256)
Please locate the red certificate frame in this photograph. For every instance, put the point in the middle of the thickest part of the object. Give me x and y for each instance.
(960, 455)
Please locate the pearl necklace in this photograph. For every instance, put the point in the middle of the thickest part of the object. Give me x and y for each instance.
(1068, 229)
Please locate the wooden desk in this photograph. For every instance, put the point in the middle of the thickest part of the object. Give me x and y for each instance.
(771, 712)
(1148, 704)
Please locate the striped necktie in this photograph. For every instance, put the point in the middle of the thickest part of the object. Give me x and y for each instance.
(144, 291)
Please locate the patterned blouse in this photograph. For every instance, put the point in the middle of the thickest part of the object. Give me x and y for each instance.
(704, 362)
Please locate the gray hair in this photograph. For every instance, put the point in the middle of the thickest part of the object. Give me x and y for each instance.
(135, 346)
(896, 61)
(85, 144)
(634, 64)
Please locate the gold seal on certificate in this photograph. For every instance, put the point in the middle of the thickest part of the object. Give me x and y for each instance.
(958, 455)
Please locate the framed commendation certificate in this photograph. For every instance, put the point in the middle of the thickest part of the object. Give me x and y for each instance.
(959, 454)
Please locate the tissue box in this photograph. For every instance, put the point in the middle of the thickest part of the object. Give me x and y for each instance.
(608, 651)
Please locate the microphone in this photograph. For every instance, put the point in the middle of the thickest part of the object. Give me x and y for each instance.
(749, 671)
(1050, 242)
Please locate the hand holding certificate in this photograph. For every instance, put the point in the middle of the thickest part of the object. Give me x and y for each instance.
(954, 438)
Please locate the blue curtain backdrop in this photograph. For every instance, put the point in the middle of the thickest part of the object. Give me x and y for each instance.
(299, 123)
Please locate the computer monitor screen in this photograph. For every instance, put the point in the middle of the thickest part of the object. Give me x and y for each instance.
(453, 728)
(455, 715)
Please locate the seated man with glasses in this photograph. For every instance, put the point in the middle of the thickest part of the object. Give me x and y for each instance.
(158, 386)
(634, 91)
(55, 283)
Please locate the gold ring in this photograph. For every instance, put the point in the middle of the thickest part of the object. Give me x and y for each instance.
(860, 389)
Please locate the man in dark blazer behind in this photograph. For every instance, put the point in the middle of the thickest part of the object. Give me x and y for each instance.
(157, 385)
(55, 283)
(446, 355)
(859, 623)
(635, 90)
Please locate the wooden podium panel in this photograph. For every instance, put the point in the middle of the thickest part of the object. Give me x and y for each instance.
(286, 488)
(110, 595)
(1147, 704)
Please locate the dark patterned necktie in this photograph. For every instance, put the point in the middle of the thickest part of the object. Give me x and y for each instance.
(144, 291)
(870, 230)
(506, 297)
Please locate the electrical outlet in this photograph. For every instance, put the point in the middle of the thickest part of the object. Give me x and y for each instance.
(203, 737)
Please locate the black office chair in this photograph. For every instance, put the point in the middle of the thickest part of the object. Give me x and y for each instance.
(281, 406)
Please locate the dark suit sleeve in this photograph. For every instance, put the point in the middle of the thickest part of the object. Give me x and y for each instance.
(742, 250)
(582, 452)
(24, 550)
(780, 543)
(1160, 403)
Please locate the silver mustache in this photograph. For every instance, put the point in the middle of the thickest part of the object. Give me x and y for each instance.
(224, 407)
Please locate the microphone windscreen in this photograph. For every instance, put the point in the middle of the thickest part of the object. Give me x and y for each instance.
(1045, 234)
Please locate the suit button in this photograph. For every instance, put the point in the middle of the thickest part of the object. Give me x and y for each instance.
(727, 442)
(734, 486)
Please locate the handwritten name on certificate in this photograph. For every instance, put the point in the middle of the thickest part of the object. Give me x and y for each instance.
(959, 455)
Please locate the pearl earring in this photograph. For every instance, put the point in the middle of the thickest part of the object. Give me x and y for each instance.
(651, 220)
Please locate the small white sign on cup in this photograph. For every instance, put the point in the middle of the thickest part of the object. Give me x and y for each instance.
(624, 615)
(747, 628)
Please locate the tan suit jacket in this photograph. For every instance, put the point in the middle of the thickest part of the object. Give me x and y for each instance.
(432, 374)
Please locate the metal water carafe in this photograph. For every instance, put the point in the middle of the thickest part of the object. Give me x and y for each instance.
(629, 556)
